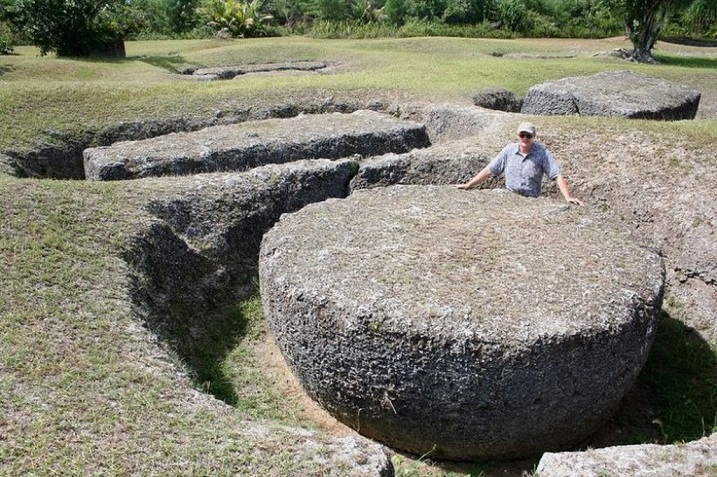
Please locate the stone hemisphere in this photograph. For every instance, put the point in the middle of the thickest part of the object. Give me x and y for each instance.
(460, 324)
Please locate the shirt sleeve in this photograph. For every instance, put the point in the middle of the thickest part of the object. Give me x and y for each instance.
(497, 165)
(551, 167)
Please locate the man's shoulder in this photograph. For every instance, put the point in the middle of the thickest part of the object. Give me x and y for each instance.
(540, 148)
(510, 148)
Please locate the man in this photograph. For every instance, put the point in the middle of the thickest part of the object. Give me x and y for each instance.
(524, 164)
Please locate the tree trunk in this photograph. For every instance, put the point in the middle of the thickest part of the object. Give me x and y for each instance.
(644, 22)
(113, 49)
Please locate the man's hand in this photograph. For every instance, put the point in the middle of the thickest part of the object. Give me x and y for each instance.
(574, 200)
(461, 186)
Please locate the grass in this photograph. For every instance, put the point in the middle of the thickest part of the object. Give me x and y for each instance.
(680, 378)
(87, 390)
(45, 93)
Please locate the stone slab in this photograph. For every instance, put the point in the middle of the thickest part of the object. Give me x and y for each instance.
(694, 459)
(238, 147)
(229, 72)
(613, 94)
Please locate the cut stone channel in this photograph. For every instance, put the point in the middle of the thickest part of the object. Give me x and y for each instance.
(242, 146)
(468, 325)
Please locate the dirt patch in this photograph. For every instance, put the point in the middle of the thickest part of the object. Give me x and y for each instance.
(267, 352)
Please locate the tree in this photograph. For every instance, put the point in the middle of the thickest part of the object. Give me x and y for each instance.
(644, 21)
(69, 27)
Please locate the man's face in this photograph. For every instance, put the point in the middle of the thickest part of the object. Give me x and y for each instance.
(525, 139)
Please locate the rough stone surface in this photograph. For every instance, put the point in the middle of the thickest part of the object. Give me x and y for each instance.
(469, 325)
(694, 459)
(246, 145)
(498, 98)
(449, 122)
(229, 72)
(614, 94)
(60, 157)
(451, 162)
(206, 246)
(199, 256)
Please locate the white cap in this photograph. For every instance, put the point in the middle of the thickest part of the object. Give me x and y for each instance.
(526, 127)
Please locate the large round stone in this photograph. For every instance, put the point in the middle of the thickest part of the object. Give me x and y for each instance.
(461, 324)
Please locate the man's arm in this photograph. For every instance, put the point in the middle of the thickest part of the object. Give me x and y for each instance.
(565, 190)
(479, 178)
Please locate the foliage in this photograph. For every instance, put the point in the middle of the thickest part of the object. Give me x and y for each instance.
(287, 12)
(239, 19)
(68, 27)
(465, 12)
(6, 40)
(513, 15)
(412, 28)
(181, 15)
(157, 19)
(700, 17)
(450, 12)
(5, 46)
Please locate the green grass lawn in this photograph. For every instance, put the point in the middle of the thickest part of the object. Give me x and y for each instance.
(86, 390)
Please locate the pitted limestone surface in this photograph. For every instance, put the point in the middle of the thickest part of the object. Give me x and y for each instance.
(242, 146)
(470, 325)
(229, 72)
(614, 94)
(692, 459)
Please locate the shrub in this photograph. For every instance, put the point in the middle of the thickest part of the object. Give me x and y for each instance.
(5, 46)
(239, 19)
(513, 15)
(6, 41)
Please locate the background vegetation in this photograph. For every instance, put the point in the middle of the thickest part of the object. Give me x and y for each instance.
(84, 27)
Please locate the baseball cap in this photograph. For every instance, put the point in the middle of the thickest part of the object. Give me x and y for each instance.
(526, 127)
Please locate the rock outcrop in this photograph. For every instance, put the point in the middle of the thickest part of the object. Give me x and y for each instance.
(615, 94)
(450, 162)
(198, 255)
(204, 249)
(465, 325)
(230, 72)
(500, 99)
(243, 146)
(694, 459)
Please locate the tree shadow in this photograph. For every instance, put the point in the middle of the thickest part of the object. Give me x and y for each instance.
(686, 61)
(684, 40)
(172, 63)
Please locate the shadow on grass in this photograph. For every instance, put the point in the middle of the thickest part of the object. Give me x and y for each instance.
(189, 304)
(207, 354)
(687, 61)
(675, 397)
(169, 63)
